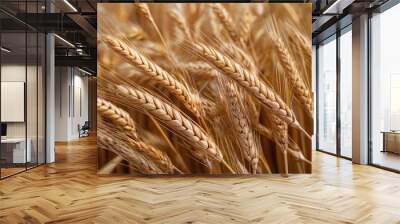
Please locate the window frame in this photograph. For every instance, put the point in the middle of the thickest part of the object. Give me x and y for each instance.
(381, 9)
(334, 37)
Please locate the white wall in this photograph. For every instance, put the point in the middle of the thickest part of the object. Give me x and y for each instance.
(16, 73)
(80, 103)
(70, 84)
(11, 73)
(62, 81)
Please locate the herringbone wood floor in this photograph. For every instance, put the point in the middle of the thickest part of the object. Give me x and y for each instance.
(69, 191)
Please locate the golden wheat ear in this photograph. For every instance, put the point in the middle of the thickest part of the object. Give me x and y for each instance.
(117, 116)
(281, 139)
(242, 126)
(179, 20)
(175, 120)
(140, 163)
(251, 83)
(159, 75)
(172, 118)
(239, 56)
(204, 88)
(226, 21)
(135, 144)
(122, 119)
(301, 91)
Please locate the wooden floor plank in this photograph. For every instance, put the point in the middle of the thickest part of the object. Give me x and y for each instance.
(69, 191)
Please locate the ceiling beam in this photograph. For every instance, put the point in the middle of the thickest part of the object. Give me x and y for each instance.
(49, 22)
(78, 61)
(84, 24)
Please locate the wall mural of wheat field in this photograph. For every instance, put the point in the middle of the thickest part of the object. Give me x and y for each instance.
(204, 88)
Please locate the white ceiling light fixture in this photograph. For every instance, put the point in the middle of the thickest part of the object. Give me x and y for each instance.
(84, 71)
(70, 5)
(65, 41)
(79, 51)
(5, 50)
(337, 7)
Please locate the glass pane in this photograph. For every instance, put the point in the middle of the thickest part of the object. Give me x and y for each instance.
(327, 96)
(31, 97)
(22, 90)
(32, 85)
(346, 94)
(385, 84)
(41, 98)
(13, 89)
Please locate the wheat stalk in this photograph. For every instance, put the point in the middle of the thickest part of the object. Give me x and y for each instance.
(136, 144)
(154, 154)
(300, 89)
(281, 138)
(293, 150)
(111, 165)
(226, 21)
(137, 160)
(178, 157)
(180, 22)
(242, 169)
(251, 83)
(242, 127)
(122, 119)
(136, 34)
(264, 131)
(117, 115)
(245, 25)
(203, 114)
(157, 73)
(239, 56)
(200, 68)
(204, 159)
(304, 44)
(145, 12)
(172, 118)
(211, 109)
(280, 134)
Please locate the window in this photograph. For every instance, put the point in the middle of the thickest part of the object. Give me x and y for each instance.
(327, 96)
(385, 89)
(314, 90)
(335, 74)
(346, 93)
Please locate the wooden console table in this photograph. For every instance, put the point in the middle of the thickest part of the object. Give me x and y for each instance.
(391, 141)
